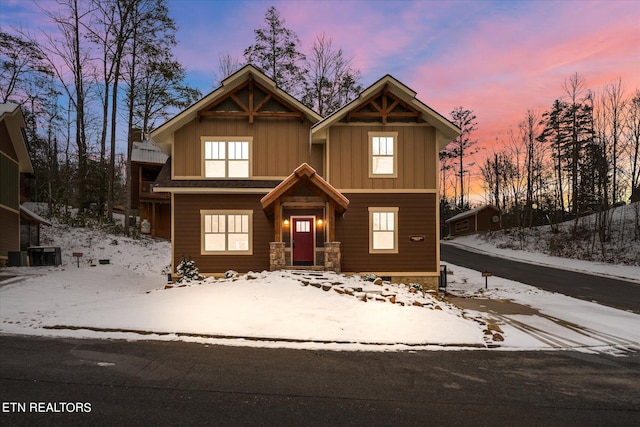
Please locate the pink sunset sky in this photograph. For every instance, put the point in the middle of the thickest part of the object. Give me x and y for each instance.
(497, 58)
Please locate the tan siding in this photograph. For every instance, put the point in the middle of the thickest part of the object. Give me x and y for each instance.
(317, 158)
(187, 237)
(416, 216)
(279, 145)
(349, 158)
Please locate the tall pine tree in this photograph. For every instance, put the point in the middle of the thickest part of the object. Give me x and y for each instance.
(276, 54)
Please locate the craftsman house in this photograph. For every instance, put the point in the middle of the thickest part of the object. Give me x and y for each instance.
(258, 181)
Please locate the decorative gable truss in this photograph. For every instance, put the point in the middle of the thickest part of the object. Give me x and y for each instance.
(250, 100)
(384, 106)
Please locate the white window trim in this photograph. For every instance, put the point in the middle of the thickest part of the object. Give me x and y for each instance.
(395, 211)
(395, 154)
(226, 140)
(226, 213)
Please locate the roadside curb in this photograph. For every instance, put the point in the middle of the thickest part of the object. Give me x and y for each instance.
(262, 339)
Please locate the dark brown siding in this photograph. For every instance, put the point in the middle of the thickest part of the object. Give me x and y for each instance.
(135, 185)
(416, 217)
(10, 233)
(485, 222)
(187, 235)
(5, 142)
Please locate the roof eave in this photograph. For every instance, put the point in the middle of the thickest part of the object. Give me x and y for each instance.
(162, 136)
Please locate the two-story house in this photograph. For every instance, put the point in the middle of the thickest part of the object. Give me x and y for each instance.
(258, 181)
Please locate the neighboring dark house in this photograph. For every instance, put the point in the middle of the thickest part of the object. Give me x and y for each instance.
(14, 161)
(147, 160)
(478, 220)
(258, 181)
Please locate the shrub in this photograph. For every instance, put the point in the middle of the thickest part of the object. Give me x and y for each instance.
(188, 271)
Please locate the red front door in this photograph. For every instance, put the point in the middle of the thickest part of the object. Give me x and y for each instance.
(302, 240)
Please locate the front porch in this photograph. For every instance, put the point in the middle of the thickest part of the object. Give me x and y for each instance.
(326, 259)
(304, 209)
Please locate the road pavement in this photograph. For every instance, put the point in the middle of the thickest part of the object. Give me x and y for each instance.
(91, 382)
(615, 293)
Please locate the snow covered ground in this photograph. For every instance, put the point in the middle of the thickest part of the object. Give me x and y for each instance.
(128, 299)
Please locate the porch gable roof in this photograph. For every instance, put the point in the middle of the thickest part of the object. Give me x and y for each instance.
(304, 171)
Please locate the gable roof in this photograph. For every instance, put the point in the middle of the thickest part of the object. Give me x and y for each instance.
(302, 172)
(407, 96)
(11, 114)
(162, 135)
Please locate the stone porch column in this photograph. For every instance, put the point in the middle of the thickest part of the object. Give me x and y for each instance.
(332, 256)
(276, 256)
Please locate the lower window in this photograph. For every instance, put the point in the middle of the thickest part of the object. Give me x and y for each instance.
(227, 232)
(383, 230)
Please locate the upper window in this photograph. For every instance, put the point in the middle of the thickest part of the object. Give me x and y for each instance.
(225, 158)
(383, 230)
(226, 232)
(382, 154)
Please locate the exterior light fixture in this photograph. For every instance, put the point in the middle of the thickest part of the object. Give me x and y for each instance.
(286, 222)
(319, 222)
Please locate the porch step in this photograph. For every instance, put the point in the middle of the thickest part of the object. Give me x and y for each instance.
(305, 268)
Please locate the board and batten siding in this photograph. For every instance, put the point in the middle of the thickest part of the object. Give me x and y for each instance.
(10, 233)
(279, 145)
(416, 217)
(349, 157)
(187, 241)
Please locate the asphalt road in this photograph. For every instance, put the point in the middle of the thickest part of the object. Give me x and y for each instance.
(173, 383)
(620, 294)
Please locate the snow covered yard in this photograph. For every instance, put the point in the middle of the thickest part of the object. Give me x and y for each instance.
(127, 299)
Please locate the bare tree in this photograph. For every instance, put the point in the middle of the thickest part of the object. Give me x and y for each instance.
(155, 79)
(227, 65)
(110, 30)
(69, 18)
(21, 63)
(613, 103)
(632, 134)
(330, 82)
(463, 145)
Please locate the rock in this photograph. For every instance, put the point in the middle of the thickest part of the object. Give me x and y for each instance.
(498, 337)
(494, 327)
(417, 304)
(339, 291)
(326, 287)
